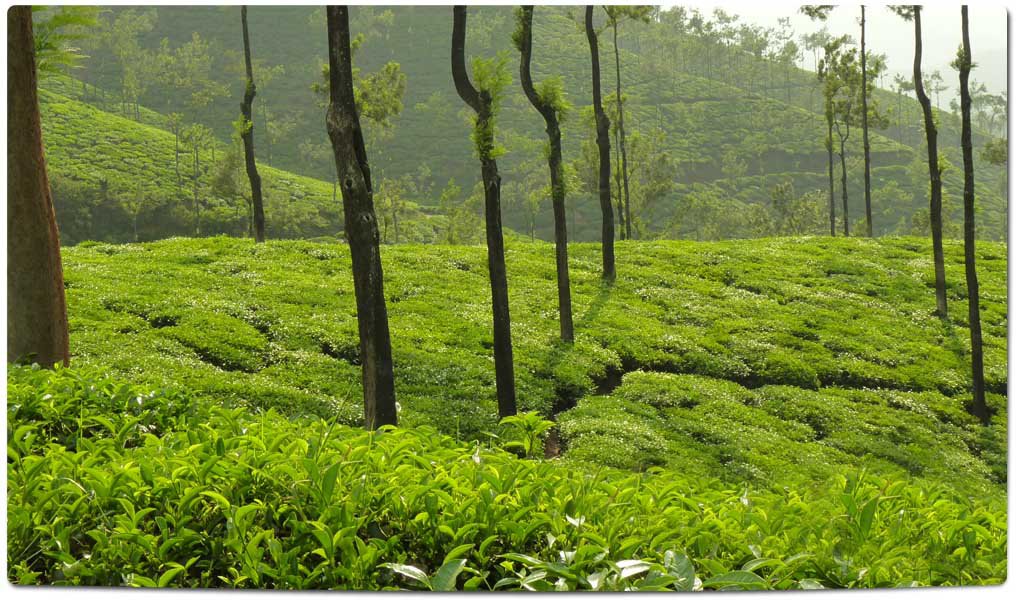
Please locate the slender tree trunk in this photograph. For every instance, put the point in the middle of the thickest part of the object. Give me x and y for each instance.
(177, 159)
(481, 103)
(846, 196)
(350, 161)
(978, 407)
(864, 122)
(557, 177)
(831, 183)
(622, 132)
(604, 153)
(255, 184)
(195, 184)
(935, 204)
(37, 321)
(394, 219)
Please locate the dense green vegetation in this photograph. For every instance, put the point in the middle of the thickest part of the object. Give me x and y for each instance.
(730, 112)
(111, 484)
(789, 411)
(805, 412)
(114, 177)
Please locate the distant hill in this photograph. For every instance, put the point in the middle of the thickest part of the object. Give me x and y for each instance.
(713, 104)
(102, 165)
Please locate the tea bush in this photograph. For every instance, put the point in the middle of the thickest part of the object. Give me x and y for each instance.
(180, 493)
(709, 373)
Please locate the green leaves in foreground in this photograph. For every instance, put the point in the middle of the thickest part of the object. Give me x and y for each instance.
(204, 496)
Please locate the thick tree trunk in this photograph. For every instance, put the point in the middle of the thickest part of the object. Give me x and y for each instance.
(978, 407)
(604, 153)
(480, 102)
(622, 133)
(379, 406)
(557, 177)
(935, 204)
(864, 120)
(247, 136)
(37, 321)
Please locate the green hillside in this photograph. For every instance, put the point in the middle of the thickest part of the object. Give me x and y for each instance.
(105, 166)
(780, 412)
(713, 102)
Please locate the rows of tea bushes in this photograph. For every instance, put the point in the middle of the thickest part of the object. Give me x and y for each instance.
(118, 484)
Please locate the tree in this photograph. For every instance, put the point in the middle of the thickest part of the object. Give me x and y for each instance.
(188, 70)
(379, 407)
(602, 124)
(55, 30)
(137, 66)
(963, 64)
(820, 13)
(196, 138)
(37, 320)
(864, 124)
(174, 123)
(550, 101)
(839, 77)
(616, 15)
(255, 184)
(934, 175)
(491, 78)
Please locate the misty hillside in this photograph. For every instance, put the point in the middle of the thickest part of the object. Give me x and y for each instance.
(730, 127)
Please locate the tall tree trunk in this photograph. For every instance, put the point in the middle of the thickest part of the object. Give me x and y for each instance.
(864, 120)
(37, 320)
(480, 101)
(978, 407)
(350, 161)
(622, 131)
(556, 170)
(831, 182)
(935, 204)
(846, 196)
(604, 153)
(247, 136)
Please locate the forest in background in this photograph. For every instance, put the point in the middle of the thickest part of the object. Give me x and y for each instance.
(727, 132)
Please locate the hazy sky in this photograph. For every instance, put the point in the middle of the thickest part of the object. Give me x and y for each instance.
(890, 35)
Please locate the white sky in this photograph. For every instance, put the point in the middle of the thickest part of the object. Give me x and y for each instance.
(894, 37)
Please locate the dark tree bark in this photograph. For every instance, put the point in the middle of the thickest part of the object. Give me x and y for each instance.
(247, 136)
(604, 153)
(554, 132)
(864, 119)
(480, 102)
(978, 407)
(622, 131)
(37, 321)
(360, 227)
(843, 180)
(831, 182)
(935, 204)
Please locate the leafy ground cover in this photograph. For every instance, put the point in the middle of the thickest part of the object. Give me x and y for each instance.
(113, 484)
(784, 412)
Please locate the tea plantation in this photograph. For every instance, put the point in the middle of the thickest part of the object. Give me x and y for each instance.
(778, 413)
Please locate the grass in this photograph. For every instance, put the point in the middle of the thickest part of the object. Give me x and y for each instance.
(765, 399)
